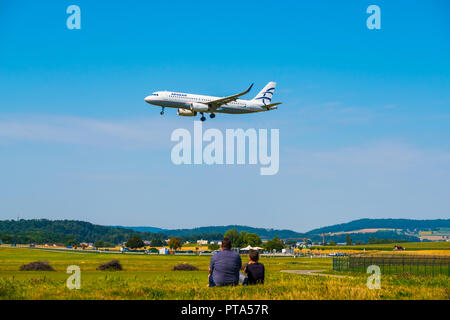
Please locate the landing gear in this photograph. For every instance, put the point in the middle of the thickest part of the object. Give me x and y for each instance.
(203, 117)
(162, 111)
(212, 115)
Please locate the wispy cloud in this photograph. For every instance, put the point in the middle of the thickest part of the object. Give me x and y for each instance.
(383, 157)
(129, 133)
(336, 112)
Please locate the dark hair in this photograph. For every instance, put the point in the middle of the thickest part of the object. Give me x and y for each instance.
(254, 255)
(226, 244)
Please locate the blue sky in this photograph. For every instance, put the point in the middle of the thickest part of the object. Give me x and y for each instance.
(364, 124)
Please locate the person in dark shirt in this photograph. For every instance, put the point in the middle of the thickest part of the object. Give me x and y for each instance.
(224, 267)
(254, 269)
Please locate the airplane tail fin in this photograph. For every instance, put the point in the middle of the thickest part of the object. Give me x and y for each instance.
(266, 94)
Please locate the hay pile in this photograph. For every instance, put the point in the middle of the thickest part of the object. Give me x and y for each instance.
(185, 267)
(37, 266)
(113, 265)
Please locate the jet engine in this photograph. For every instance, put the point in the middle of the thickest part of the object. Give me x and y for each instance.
(200, 107)
(186, 113)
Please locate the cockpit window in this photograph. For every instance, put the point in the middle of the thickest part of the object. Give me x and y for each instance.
(154, 94)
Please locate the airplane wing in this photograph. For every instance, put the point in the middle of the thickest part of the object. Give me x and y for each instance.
(217, 103)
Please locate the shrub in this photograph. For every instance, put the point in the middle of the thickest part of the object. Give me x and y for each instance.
(37, 266)
(185, 267)
(213, 246)
(134, 242)
(175, 243)
(113, 265)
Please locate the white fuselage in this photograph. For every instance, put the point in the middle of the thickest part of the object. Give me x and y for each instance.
(196, 102)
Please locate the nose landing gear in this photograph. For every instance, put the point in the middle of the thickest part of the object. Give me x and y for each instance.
(162, 111)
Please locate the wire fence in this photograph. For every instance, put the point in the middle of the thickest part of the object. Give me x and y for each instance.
(419, 265)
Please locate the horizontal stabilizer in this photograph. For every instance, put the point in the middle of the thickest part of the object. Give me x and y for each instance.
(272, 106)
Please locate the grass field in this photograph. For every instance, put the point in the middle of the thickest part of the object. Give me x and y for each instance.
(151, 277)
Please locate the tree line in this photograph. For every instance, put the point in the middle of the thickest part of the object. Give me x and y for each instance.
(238, 239)
(41, 231)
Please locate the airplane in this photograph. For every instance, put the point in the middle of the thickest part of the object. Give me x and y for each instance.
(189, 105)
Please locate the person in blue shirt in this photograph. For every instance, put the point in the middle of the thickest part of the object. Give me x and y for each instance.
(225, 266)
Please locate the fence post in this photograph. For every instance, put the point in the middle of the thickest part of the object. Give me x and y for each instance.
(403, 264)
(425, 266)
(389, 265)
(440, 266)
(395, 261)
(432, 266)
(417, 268)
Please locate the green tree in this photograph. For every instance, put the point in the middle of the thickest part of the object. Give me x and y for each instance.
(6, 238)
(332, 243)
(252, 239)
(241, 240)
(134, 242)
(175, 243)
(157, 243)
(348, 239)
(213, 246)
(233, 235)
(274, 244)
(103, 244)
(99, 244)
(72, 243)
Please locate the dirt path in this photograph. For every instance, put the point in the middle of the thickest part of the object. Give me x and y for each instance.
(313, 273)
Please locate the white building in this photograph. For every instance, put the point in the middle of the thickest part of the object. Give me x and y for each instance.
(163, 251)
(202, 242)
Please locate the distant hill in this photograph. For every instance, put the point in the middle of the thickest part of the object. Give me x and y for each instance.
(365, 237)
(262, 232)
(144, 229)
(60, 231)
(217, 232)
(404, 224)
